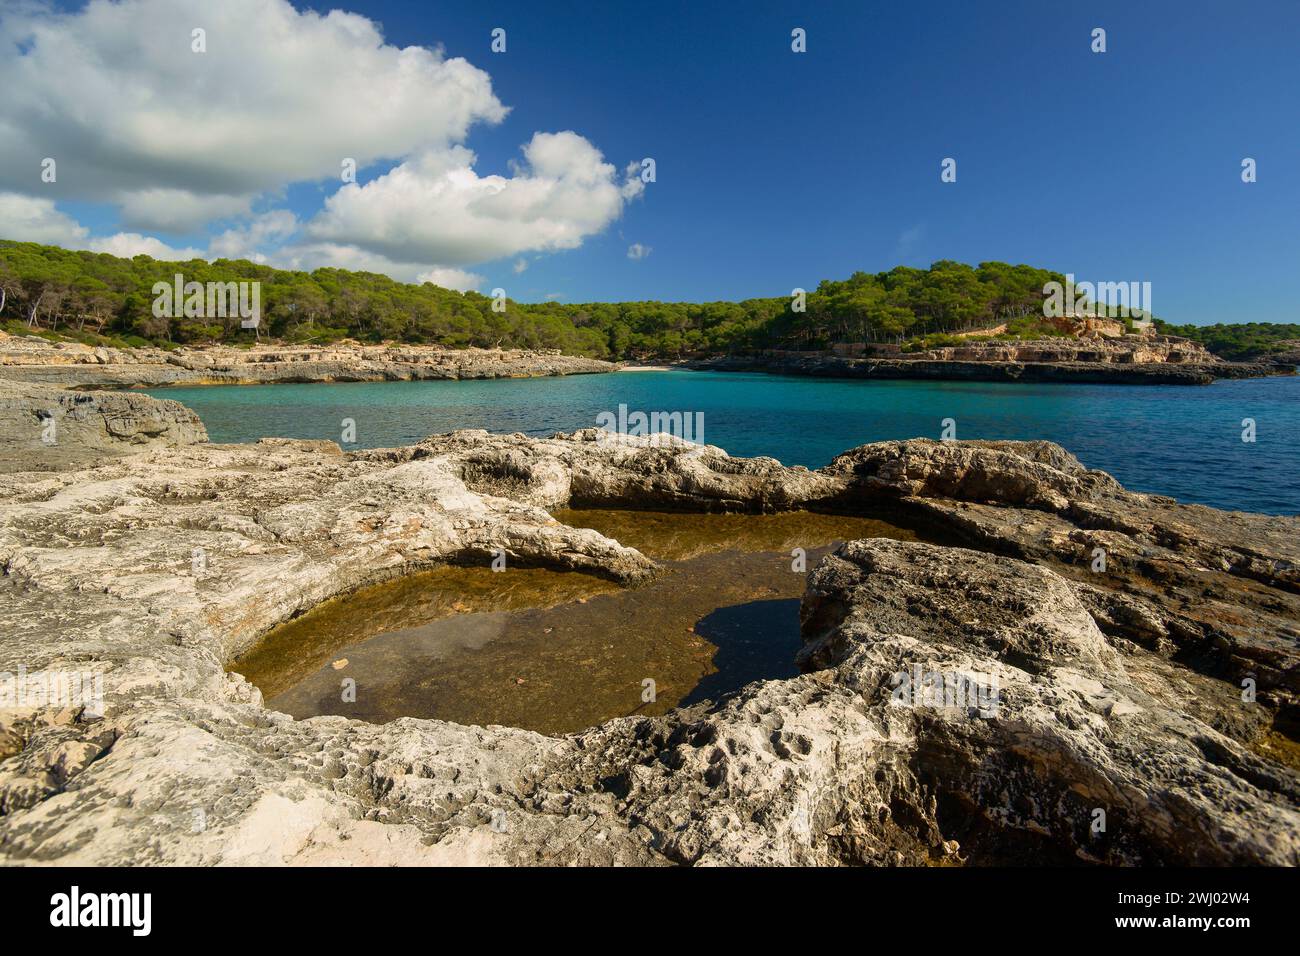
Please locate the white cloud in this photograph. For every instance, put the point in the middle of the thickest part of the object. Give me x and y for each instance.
(436, 208)
(316, 255)
(177, 210)
(457, 279)
(37, 220)
(246, 242)
(128, 244)
(28, 219)
(180, 142)
(638, 251)
(116, 95)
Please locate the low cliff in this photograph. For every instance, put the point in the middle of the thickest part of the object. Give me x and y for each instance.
(1129, 360)
(32, 359)
(1125, 350)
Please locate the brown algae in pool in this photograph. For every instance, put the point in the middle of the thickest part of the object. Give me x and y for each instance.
(555, 651)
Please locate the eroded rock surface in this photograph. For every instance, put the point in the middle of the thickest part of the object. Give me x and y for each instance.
(1117, 691)
(50, 428)
(1220, 590)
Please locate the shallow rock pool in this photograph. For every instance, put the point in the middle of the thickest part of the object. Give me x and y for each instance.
(557, 652)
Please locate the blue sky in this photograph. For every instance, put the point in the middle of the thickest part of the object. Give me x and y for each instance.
(777, 169)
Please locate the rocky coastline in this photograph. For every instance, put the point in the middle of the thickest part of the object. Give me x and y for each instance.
(72, 365)
(1289, 355)
(1129, 360)
(1122, 690)
(1147, 360)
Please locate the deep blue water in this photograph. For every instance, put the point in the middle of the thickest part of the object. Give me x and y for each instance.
(1184, 441)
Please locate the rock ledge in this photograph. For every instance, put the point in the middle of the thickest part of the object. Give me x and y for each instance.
(1117, 692)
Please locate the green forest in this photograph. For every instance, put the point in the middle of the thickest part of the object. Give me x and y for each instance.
(99, 298)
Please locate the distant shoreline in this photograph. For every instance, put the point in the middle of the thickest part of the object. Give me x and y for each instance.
(1158, 361)
(72, 365)
(1090, 373)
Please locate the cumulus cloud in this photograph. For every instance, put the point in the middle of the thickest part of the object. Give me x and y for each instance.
(177, 210)
(128, 244)
(638, 251)
(457, 279)
(436, 208)
(247, 241)
(272, 230)
(316, 255)
(115, 93)
(28, 219)
(183, 142)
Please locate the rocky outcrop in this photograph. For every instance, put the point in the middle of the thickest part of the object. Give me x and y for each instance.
(593, 468)
(1288, 353)
(1215, 587)
(69, 364)
(1075, 753)
(1118, 732)
(1130, 360)
(1079, 725)
(1122, 350)
(47, 428)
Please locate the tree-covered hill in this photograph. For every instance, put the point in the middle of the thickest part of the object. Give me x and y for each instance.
(95, 296)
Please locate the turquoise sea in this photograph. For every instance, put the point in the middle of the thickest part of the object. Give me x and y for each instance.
(1184, 441)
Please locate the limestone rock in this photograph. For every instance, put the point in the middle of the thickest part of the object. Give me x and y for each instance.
(52, 427)
(72, 365)
(1117, 691)
(1130, 360)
